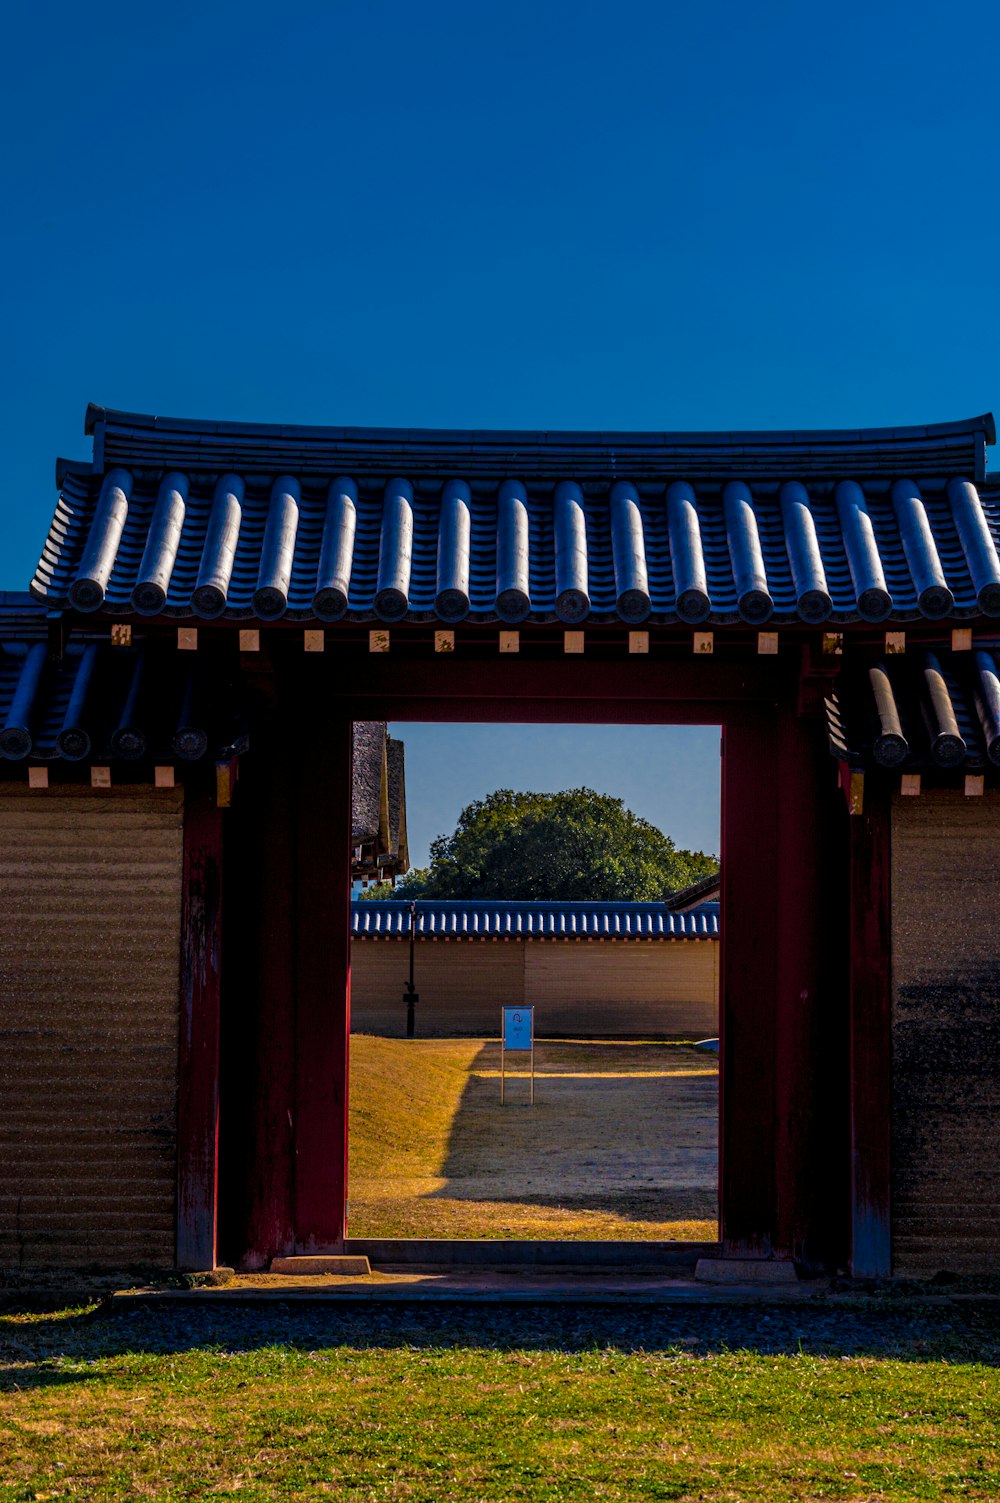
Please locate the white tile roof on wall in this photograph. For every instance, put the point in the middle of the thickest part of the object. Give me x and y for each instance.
(388, 918)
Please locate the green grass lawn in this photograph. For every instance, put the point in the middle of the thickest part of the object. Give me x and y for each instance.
(472, 1403)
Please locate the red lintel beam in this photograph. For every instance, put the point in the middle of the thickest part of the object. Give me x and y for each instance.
(637, 678)
(541, 711)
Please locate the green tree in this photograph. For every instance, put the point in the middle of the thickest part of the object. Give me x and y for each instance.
(565, 846)
(408, 887)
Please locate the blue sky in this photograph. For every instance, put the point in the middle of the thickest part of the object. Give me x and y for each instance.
(668, 774)
(568, 215)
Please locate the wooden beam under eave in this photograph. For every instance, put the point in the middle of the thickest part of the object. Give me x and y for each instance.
(453, 687)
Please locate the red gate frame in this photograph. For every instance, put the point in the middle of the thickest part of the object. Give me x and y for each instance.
(800, 1131)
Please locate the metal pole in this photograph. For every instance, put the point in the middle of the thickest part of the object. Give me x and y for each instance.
(410, 995)
(532, 1098)
(501, 1056)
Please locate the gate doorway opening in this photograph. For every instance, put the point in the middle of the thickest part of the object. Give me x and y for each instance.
(621, 1143)
(284, 1128)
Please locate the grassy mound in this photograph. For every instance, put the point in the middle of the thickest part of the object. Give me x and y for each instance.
(405, 1095)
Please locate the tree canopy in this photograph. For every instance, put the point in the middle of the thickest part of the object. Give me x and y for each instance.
(567, 846)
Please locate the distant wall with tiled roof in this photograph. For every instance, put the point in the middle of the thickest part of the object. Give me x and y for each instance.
(584, 987)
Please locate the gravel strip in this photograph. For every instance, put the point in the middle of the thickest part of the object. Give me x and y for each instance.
(961, 1333)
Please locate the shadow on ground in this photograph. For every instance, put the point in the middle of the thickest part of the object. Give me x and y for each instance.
(32, 1354)
(626, 1128)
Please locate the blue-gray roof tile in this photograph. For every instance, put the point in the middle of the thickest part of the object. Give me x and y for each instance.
(245, 521)
(935, 711)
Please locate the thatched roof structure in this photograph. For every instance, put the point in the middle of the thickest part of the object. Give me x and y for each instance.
(378, 818)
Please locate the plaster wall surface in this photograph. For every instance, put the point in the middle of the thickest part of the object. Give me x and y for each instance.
(945, 1198)
(90, 906)
(637, 989)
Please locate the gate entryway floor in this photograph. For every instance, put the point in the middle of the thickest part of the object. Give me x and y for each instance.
(478, 1286)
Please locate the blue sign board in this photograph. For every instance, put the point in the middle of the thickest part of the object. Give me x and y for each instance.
(518, 1027)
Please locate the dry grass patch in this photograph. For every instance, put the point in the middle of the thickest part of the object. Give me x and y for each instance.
(620, 1144)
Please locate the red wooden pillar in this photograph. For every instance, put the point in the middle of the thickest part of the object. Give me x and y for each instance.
(784, 1054)
(288, 1007)
(810, 1033)
(267, 1011)
(198, 1092)
(323, 987)
(871, 1034)
(748, 982)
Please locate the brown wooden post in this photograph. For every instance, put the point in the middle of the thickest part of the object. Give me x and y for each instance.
(871, 1034)
(198, 1064)
(748, 974)
(323, 987)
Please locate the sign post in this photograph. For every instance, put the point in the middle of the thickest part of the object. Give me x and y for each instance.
(517, 1034)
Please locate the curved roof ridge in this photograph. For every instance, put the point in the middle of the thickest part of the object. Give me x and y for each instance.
(117, 418)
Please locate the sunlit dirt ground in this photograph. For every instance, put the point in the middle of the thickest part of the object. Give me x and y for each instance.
(620, 1143)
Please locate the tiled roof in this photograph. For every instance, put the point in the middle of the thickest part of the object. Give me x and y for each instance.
(108, 704)
(699, 893)
(92, 702)
(390, 919)
(936, 710)
(200, 520)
